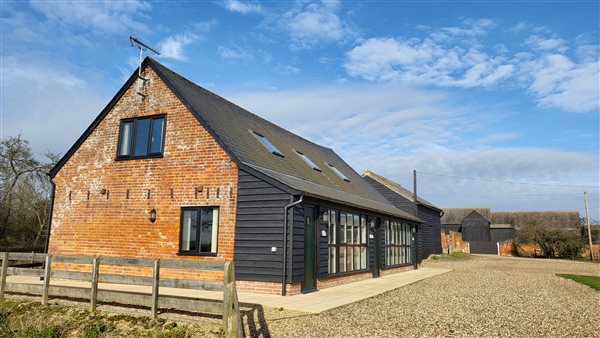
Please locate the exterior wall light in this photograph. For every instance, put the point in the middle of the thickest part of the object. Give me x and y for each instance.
(152, 215)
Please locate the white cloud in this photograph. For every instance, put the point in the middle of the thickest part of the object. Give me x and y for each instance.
(392, 130)
(96, 16)
(556, 81)
(235, 53)
(49, 101)
(172, 46)
(446, 59)
(425, 62)
(242, 7)
(546, 44)
(311, 23)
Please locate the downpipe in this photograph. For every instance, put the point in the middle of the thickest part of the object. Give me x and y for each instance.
(285, 242)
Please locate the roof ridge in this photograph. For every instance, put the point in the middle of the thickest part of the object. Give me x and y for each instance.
(236, 105)
(392, 185)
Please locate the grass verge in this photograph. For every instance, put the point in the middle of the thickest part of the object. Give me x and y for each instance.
(32, 320)
(591, 281)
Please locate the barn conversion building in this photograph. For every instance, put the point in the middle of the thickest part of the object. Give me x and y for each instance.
(171, 170)
(429, 240)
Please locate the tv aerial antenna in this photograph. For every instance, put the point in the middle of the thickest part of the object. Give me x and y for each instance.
(135, 42)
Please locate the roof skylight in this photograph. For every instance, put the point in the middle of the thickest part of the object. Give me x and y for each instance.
(267, 144)
(338, 172)
(308, 161)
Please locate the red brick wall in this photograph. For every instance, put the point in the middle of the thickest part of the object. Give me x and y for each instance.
(322, 283)
(453, 242)
(115, 225)
(507, 248)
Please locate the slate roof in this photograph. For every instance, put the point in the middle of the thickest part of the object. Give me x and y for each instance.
(231, 126)
(398, 189)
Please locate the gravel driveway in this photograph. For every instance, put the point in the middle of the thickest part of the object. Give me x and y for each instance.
(483, 296)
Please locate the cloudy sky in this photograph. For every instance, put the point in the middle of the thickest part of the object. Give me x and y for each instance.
(481, 91)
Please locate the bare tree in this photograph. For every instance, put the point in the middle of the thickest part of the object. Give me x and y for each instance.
(24, 192)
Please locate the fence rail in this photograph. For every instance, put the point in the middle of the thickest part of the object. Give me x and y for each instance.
(228, 307)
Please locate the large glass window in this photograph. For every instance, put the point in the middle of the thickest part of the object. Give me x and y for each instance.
(199, 230)
(347, 243)
(398, 237)
(141, 137)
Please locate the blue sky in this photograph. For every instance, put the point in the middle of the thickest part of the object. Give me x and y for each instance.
(493, 90)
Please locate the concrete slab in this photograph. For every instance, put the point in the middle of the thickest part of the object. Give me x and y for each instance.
(314, 302)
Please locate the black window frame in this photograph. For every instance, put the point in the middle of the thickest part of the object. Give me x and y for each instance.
(199, 210)
(402, 242)
(135, 120)
(339, 234)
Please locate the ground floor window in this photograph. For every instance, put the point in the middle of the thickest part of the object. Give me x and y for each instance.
(347, 242)
(199, 230)
(398, 237)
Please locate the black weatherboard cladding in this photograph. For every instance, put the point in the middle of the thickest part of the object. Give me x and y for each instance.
(429, 238)
(259, 227)
(475, 228)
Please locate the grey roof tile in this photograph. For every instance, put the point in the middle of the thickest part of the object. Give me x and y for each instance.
(232, 125)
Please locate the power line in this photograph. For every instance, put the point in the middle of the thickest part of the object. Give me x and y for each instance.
(511, 182)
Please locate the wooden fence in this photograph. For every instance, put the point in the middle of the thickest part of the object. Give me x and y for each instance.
(228, 307)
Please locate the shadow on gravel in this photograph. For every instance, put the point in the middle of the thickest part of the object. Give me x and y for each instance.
(253, 316)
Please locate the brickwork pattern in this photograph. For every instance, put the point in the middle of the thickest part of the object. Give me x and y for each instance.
(116, 223)
(453, 242)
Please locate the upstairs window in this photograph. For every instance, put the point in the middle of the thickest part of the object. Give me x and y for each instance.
(308, 161)
(265, 142)
(141, 137)
(337, 172)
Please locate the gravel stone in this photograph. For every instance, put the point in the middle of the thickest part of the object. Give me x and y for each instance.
(486, 296)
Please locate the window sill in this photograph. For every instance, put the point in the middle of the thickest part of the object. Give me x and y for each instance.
(138, 157)
(208, 254)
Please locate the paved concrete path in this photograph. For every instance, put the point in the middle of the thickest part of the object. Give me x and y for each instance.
(314, 302)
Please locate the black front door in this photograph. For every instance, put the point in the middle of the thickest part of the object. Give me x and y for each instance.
(376, 239)
(309, 283)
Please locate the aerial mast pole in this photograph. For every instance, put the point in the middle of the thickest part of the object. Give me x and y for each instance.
(135, 42)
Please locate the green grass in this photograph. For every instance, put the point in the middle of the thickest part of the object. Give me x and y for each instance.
(591, 281)
(461, 255)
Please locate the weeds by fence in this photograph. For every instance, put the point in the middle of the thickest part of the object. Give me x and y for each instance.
(228, 307)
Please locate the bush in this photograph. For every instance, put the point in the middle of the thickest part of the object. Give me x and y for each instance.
(553, 242)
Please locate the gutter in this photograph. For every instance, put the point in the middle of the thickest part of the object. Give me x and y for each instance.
(285, 228)
(50, 212)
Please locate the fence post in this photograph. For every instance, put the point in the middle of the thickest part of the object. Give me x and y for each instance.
(94, 290)
(4, 273)
(232, 323)
(226, 297)
(155, 285)
(46, 280)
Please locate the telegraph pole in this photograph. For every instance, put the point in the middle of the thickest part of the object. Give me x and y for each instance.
(587, 217)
